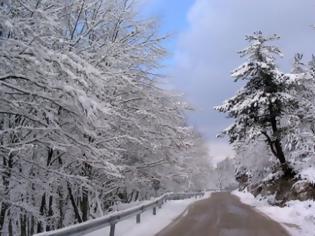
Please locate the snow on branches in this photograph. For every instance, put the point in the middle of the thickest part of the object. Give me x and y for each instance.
(273, 113)
(82, 121)
(266, 107)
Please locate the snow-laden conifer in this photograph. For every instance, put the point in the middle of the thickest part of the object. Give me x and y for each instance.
(263, 106)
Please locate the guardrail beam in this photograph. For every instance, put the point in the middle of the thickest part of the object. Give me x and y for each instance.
(113, 219)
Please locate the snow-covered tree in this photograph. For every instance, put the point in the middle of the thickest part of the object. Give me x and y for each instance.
(82, 119)
(263, 106)
(254, 162)
(224, 174)
(300, 140)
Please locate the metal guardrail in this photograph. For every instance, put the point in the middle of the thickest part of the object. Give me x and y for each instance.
(112, 219)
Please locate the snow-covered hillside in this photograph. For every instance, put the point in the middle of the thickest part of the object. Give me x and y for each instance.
(298, 217)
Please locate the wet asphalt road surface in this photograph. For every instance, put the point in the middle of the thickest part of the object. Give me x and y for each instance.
(223, 215)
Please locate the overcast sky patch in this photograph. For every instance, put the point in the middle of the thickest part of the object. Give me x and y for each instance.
(206, 50)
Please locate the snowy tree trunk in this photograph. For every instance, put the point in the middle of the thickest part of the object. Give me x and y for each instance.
(8, 165)
(276, 146)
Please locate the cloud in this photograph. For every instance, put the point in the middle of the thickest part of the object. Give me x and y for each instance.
(206, 51)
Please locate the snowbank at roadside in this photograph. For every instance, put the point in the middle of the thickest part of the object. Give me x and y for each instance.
(150, 224)
(298, 217)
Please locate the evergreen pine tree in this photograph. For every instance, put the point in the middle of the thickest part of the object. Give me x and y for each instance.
(261, 107)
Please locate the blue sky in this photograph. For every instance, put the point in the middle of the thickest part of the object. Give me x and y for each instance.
(206, 37)
(173, 21)
(173, 16)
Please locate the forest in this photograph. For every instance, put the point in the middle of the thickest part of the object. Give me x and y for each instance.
(84, 123)
(87, 123)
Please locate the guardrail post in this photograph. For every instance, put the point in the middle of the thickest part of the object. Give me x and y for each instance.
(112, 230)
(138, 218)
(154, 210)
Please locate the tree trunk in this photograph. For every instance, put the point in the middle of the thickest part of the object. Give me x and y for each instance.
(23, 224)
(10, 227)
(74, 205)
(84, 204)
(42, 211)
(60, 207)
(276, 147)
(8, 165)
(50, 225)
(4, 208)
(31, 228)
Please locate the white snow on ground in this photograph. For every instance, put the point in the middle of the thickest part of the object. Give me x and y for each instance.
(150, 224)
(298, 217)
(308, 174)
